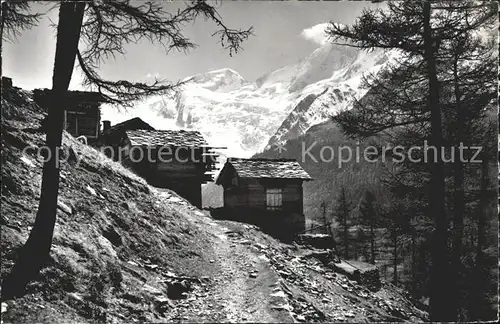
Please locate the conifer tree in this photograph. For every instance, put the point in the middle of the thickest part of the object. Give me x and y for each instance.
(369, 216)
(342, 211)
(415, 102)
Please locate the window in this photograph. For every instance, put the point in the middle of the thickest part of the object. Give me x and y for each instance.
(234, 181)
(87, 126)
(79, 124)
(274, 198)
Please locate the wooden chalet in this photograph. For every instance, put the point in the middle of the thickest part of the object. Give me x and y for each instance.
(82, 115)
(176, 159)
(265, 192)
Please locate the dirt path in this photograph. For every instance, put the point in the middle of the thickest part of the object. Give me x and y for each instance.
(254, 278)
(244, 287)
(246, 283)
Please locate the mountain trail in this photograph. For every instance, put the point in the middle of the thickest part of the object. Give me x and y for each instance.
(124, 251)
(244, 282)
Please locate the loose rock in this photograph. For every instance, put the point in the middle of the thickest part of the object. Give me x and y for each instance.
(65, 208)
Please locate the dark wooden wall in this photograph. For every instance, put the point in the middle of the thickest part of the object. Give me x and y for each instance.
(247, 202)
(185, 178)
(252, 193)
(280, 224)
(82, 111)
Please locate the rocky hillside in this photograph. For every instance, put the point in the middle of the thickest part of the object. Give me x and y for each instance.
(245, 116)
(117, 241)
(324, 98)
(124, 251)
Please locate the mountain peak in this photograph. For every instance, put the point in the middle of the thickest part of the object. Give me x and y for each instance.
(225, 71)
(221, 80)
(229, 110)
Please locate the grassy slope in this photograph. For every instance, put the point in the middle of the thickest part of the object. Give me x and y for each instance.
(123, 222)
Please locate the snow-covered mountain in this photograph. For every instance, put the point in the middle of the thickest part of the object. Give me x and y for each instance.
(246, 116)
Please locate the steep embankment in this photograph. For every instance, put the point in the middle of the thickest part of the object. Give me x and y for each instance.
(114, 235)
(124, 251)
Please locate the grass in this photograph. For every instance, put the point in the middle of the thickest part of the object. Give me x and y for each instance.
(124, 222)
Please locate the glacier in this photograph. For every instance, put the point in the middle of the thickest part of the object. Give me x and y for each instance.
(248, 116)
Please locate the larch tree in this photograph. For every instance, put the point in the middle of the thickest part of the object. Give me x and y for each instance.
(482, 303)
(342, 210)
(91, 32)
(368, 215)
(470, 83)
(421, 32)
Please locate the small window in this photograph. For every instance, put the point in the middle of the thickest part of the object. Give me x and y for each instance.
(234, 181)
(274, 198)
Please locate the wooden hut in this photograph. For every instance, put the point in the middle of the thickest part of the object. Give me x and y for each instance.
(265, 192)
(82, 114)
(176, 159)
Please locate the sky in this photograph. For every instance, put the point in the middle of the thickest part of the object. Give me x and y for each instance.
(284, 32)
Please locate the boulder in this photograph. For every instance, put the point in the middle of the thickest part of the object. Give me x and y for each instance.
(325, 256)
(112, 235)
(90, 190)
(162, 304)
(364, 273)
(319, 241)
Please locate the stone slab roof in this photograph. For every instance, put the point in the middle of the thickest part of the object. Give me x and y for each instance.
(181, 138)
(269, 168)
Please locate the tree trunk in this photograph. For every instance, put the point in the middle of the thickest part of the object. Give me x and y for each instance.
(458, 199)
(323, 206)
(35, 252)
(478, 304)
(365, 252)
(413, 262)
(346, 237)
(356, 250)
(372, 242)
(483, 209)
(395, 259)
(440, 309)
(2, 24)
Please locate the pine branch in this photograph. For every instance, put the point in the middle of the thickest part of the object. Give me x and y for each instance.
(16, 17)
(111, 25)
(123, 92)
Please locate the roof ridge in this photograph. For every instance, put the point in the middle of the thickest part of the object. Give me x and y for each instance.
(129, 121)
(164, 130)
(269, 168)
(262, 159)
(166, 137)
